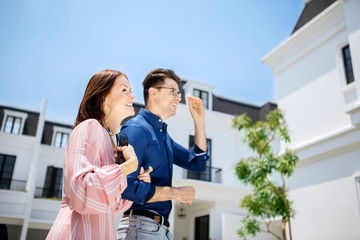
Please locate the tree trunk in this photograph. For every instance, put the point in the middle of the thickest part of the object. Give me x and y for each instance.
(283, 229)
(290, 235)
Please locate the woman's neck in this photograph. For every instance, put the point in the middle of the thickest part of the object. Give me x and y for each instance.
(113, 125)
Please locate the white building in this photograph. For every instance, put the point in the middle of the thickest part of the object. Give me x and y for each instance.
(32, 150)
(317, 72)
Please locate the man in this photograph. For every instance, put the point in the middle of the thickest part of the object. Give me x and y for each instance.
(147, 133)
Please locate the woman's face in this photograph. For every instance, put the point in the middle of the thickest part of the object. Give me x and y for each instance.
(119, 102)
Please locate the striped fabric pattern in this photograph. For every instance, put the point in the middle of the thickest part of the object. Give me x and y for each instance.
(92, 186)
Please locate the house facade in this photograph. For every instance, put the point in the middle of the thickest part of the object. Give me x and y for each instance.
(32, 150)
(317, 74)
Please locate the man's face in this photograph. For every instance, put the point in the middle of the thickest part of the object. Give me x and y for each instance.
(167, 98)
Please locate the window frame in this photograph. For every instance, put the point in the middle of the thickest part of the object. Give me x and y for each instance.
(10, 113)
(63, 130)
(52, 186)
(201, 92)
(2, 170)
(345, 65)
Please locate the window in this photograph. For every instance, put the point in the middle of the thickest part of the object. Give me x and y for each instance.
(61, 139)
(53, 182)
(61, 136)
(7, 163)
(12, 125)
(349, 73)
(206, 175)
(13, 122)
(204, 96)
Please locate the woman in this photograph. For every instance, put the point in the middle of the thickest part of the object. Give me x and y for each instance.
(92, 182)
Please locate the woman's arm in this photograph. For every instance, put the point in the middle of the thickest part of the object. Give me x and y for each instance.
(95, 182)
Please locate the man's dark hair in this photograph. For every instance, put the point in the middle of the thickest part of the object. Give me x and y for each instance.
(155, 78)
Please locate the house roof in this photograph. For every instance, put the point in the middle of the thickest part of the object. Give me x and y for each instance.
(312, 9)
(30, 123)
(225, 105)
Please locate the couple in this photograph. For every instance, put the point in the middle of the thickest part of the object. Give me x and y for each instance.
(95, 189)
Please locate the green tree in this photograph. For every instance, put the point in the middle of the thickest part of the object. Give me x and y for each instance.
(268, 199)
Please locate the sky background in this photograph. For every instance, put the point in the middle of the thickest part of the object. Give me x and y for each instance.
(50, 49)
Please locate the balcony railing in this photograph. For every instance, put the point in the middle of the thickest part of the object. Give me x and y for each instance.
(211, 174)
(17, 185)
(20, 185)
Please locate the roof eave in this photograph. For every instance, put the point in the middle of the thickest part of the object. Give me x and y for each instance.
(268, 58)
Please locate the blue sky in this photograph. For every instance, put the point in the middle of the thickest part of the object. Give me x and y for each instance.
(50, 49)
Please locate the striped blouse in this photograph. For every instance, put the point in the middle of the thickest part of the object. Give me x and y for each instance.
(92, 186)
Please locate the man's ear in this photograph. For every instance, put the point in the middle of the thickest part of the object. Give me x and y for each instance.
(152, 92)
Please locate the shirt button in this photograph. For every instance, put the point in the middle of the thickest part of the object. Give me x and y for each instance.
(159, 120)
(160, 130)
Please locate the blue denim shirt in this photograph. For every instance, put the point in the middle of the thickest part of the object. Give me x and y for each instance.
(154, 147)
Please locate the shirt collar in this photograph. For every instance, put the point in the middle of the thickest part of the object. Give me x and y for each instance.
(151, 118)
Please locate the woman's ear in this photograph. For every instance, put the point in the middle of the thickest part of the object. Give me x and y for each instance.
(105, 107)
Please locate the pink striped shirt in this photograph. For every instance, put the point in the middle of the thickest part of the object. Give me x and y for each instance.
(92, 186)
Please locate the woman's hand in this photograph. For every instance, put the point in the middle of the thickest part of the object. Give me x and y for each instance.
(131, 162)
(145, 175)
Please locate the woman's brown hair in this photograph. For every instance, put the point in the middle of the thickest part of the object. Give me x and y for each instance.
(97, 89)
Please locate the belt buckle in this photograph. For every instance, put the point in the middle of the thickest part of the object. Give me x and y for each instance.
(157, 219)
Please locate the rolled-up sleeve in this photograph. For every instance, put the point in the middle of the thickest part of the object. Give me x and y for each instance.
(193, 160)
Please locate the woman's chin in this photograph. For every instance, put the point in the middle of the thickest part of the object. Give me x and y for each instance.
(130, 112)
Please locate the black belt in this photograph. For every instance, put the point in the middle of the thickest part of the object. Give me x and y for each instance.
(154, 216)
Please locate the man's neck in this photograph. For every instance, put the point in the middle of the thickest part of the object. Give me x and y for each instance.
(156, 112)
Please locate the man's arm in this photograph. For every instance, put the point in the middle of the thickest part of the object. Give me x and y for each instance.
(186, 194)
(198, 114)
(182, 194)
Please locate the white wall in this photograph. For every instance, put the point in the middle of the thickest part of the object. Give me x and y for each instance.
(325, 199)
(224, 229)
(310, 93)
(185, 228)
(351, 9)
(49, 156)
(21, 147)
(231, 222)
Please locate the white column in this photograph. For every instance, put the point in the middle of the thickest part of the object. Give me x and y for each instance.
(31, 181)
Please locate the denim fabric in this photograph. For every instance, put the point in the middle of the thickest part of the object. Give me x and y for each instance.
(141, 228)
